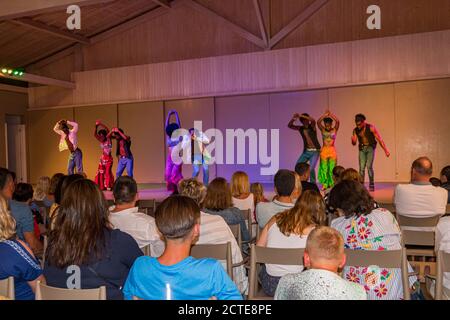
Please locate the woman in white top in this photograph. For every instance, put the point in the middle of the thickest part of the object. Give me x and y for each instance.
(290, 229)
(243, 199)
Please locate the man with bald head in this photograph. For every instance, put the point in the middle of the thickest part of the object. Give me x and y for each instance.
(419, 198)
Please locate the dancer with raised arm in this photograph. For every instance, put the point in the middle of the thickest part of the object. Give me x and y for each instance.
(311, 145)
(367, 136)
(328, 154)
(195, 143)
(173, 173)
(69, 141)
(104, 177)
(126, 160)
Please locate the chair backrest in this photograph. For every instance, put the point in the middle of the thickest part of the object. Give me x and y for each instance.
(147, 251)
(44, 250)
(44, 292)
(281, 256)
(417, 237)
(236, 230)
(249, 221)
(7, 288)
(448, 209)
(382, 259)
(443, 265)
(215, 251)
(149, 206)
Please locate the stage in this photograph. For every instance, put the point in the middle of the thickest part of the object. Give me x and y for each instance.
(384, 192)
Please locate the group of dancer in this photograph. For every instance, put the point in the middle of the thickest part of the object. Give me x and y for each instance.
(364, 133)
(104, 177)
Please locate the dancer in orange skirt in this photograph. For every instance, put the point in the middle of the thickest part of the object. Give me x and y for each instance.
(328, 154)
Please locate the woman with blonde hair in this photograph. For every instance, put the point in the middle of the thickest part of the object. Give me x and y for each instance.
(242, 198)
(258, 193)
(290, 229)
(16, 258)
(42, 189)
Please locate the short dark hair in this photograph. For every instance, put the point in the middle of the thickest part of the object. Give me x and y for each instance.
(423, 166)
(284, 182)
(352, 198)
(305, 114)
(23, 192)
(328, 120)
(125, 190)
(337, 171)
(5, 175)
(301, 168)
(102, 132)
(176, 216)
(360, 117)
(63, 184)
(446, 172)
(436, 182)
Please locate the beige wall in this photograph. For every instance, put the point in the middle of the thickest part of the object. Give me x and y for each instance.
(11, 103)
(411, 117)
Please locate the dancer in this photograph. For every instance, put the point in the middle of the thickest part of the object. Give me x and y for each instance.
(126, 160)
(199, 154)
(104, 177)
(328, 154)
(367, 136)
(311, 145)
(173, 171)
(69, 141)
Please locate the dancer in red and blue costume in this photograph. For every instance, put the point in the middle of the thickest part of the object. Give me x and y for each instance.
(104, 177)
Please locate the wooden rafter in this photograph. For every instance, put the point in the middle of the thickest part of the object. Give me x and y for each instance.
(297, 21)
(7, 87)
(27, 22)
(232, 26)
(32, 78)
(262, 26)
(163, 3)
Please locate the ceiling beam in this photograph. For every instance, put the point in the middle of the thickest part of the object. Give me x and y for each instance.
(262, 26)
(7, 87)
(30, 23)
(230, 25)
(32, 78)
(163, 3)
(13, 9)
(297, 21)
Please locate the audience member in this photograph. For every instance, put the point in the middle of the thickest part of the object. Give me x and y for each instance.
(218, 201)
(287, 194)
(337, 174)
(445, 179)
(351, 174)
(21, 211)
(324, 256)
(242, 198)
(175, 275)
(366, 228)
(303, 170)
(42, 191)
(258, 192)
(7, 184)
(53, 184)
(85, 238)
(125, 215)
(435, 182)
(16, 258)
(442, 243)
(419, 198)
(290, 229)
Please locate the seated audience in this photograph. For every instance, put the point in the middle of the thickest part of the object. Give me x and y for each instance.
(84, 238)
(290, 229)
(7, 184)
(125, 215)
(445, 179)
(53, 184)
(258, 192)
(351, 174)
(365, 228)
(442, 242)
(287, 194)
(337, 174)
(435, 182)
(16, 258)
(26, 225)
(324, 256)
(242, 198)
(419, 198)
(218, 201)
(175, 275)
(303, 170)
(42, 191)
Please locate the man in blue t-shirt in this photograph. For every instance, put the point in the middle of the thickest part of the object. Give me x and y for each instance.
(176, 275)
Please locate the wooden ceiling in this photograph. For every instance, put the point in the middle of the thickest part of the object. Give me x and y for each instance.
(266, 24)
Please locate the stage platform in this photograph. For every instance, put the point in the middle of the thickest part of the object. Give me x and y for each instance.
(384, 192)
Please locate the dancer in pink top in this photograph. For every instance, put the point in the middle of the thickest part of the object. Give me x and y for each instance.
(173, 171)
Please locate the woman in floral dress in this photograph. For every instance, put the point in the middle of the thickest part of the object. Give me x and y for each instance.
(366, 228)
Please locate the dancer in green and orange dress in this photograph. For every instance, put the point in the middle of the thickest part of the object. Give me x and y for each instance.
(328, 154)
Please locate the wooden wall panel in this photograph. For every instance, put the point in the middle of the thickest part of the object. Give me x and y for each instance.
(422, 113)
(86, 117)
(190, 111)
(61, 69)
(401, 58)
(243, 112)
(144, 123)
(44, 156)
(378, 104)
